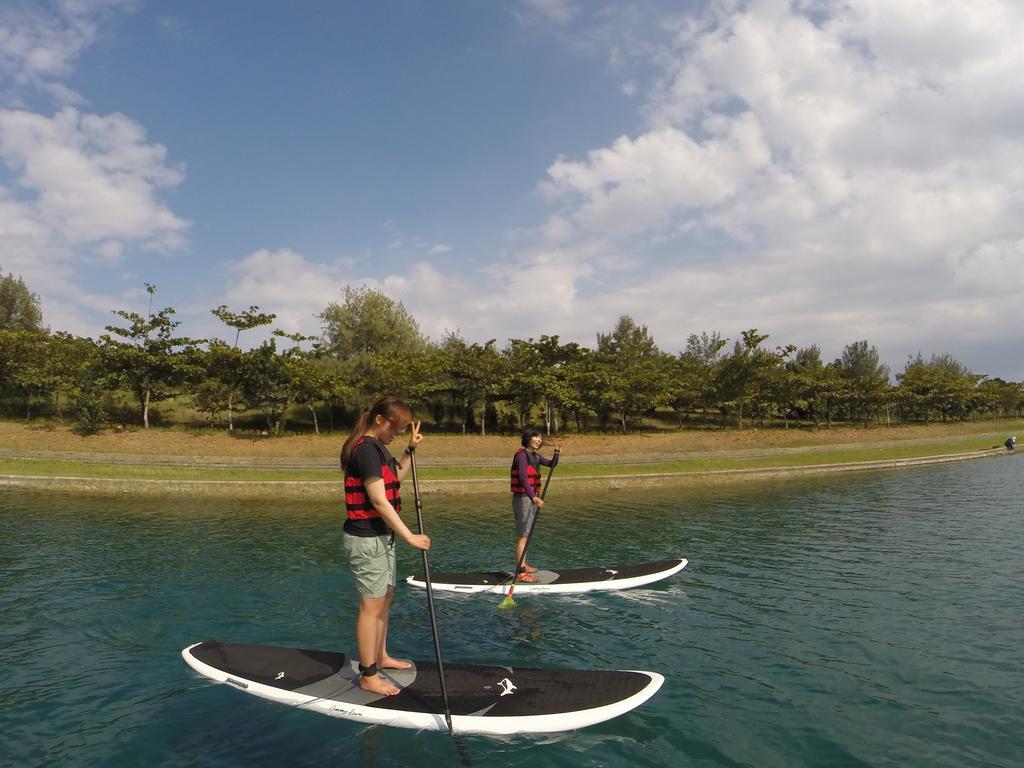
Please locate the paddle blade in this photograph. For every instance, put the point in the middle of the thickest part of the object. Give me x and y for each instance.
(508, 602)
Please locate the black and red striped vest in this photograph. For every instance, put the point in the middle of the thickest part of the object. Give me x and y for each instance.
(532, 472)
(357, 503)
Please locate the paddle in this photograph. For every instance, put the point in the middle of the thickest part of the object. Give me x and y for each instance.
(430, 608)
(508, 602)
(430, 594)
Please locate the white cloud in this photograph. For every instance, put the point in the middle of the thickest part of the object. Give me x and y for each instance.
(559, 12)
(94, 177)
(634, 186)
(78, 188)
(857, 173)
(532, 297)
(86, 187)
(287, 284)
(39, 48)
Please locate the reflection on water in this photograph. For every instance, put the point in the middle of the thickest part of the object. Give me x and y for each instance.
(868, 619)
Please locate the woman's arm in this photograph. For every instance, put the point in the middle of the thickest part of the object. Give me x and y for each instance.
(553, 461)
(375, 492)
(415, 438)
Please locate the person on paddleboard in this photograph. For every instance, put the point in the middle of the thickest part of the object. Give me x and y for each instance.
(526, 500)
(373, 503)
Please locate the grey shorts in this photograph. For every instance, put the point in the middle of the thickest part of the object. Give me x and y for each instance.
(524, 511)
(372, 559)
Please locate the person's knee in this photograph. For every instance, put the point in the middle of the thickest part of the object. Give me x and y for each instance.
(373, 606)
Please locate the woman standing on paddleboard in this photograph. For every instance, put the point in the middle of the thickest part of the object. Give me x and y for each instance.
(372, 501)
(526, 500)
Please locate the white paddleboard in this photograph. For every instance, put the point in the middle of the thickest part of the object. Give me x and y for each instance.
(482, 699)
(554, 582)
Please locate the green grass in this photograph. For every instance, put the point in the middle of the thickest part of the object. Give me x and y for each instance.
(812, 457)
(47, 468)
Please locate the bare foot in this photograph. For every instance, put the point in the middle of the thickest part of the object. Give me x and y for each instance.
(392, 663)
(375, 684)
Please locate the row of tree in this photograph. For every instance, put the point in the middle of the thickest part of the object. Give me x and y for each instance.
(371, 345)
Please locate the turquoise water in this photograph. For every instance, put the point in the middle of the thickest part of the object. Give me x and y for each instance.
(865, 620)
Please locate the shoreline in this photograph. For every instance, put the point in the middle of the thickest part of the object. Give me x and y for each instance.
(464, 486)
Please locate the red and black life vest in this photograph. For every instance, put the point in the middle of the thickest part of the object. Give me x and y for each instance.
(357, 503)
(532, 472)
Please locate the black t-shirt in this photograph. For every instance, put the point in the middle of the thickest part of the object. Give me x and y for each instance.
(366, 462)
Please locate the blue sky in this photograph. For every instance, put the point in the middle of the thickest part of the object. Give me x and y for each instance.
(824, 170)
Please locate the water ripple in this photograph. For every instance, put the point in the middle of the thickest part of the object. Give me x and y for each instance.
(868, 620)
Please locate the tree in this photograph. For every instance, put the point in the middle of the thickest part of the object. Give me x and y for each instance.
(150, 360)
(366, 324)
(779, 388)
(957, 390)
(19, 307)
(60, 366)
(1000, 397)
(942, 385)
(225, 360)
(634, 373)
(314, 380)
(866, 378)
(528, 377)
(738, 373)
(75, 365)
(695, 374)
(27, 365)
(810, 383)
(265, 382)
(568, 365)
(473, 373)
(914, 389)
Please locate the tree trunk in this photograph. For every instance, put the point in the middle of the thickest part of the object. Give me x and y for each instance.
(312, 411)
(483, 418)
(145, 410)
(231, 419)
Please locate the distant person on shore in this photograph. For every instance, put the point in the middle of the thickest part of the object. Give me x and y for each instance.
(372, 501)
(526, 500)
(1010, 442)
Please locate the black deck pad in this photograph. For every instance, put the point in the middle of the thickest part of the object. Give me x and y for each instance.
(493, 691)
(511, 692)
(266, 663)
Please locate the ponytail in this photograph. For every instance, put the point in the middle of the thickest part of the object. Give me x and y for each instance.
(385, 407)
(357, 431)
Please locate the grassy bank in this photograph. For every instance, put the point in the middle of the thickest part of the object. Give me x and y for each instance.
(568, 468)
(166, 458)
(22, 438)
